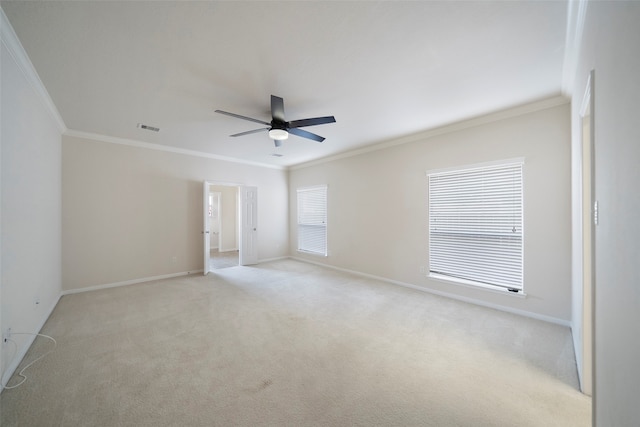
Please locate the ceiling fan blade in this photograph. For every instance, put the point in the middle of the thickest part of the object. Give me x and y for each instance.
(238, 116)
(311, 122)
(250, 132)
(305, 134)
(277, 108)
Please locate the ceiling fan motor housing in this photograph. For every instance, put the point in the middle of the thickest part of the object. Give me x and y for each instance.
(276, 124)
(280, 128)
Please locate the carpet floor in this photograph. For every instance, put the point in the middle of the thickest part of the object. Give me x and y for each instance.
(287, 343)
(223, 259)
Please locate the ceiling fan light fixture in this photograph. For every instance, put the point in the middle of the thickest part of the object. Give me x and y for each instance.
(279, 127)
(278, 134)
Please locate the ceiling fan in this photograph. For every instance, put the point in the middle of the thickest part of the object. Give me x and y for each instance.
(279, 128)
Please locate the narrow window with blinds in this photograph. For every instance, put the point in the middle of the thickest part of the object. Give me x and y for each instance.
(312, 220)
(475, 226)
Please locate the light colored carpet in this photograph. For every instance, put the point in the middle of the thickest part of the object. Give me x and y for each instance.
(226, 259)
(291, 344)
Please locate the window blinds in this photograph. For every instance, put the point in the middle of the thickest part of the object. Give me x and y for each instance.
(475, 225)
(312, 220)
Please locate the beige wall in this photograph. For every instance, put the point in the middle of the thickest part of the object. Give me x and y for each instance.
(378, 217)
(128, 211)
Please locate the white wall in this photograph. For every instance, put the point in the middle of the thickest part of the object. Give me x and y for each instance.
(127, 211)
(378, 217)
(610, 46)
(31, 207)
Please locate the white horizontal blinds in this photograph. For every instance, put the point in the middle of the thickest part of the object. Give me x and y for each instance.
(475, 224)
(312, 220)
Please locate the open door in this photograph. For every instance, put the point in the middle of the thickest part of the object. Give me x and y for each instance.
(205, 226)
(248, 225)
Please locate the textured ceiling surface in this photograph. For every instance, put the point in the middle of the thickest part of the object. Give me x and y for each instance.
(383, 69)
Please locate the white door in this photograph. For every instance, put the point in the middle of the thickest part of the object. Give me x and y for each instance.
(205, 226)
(248, 225)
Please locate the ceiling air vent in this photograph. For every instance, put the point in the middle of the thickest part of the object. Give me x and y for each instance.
(151, 128)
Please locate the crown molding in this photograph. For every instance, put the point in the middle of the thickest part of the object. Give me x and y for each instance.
(515, 111)
(16, 50)
(166, 148)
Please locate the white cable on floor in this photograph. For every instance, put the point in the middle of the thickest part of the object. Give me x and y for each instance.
(24, 377)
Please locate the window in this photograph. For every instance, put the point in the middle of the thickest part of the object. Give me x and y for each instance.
(312, 220)
(475, 225)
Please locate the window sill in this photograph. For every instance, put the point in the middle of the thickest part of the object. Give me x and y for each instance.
(476, 285)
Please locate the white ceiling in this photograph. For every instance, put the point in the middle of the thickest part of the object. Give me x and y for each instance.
(383, 69)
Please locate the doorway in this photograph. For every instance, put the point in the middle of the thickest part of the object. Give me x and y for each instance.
(223, 226)
(236, 222)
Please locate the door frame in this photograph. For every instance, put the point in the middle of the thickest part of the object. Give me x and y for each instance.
(206, 239)
(588, 233)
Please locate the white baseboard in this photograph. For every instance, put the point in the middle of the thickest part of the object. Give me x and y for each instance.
(278, 258)
(20, 353)
(577, 350)
(130, 282)
(469, 300)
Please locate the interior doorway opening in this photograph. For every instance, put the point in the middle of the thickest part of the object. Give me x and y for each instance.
(223, 226)
(236, 215)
